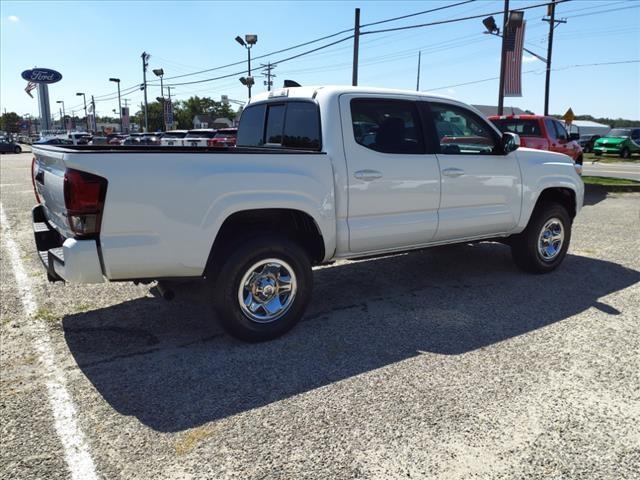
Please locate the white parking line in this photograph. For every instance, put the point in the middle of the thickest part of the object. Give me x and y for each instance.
(73, 441)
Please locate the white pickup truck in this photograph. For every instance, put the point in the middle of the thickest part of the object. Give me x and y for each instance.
(318, 174)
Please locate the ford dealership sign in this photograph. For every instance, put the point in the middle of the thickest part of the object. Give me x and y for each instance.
(42, 75)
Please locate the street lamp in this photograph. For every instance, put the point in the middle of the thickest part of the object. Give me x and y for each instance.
(117, 80)
(159, 72)
(249, 41)
(64, 114)
(86, 117)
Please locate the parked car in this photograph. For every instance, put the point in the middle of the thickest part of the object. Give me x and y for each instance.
(8, 145)
(117, 139)
(141, 139)
(252, 220)
(586, 142)
(99, 141)
(541, 133)
(173, 138)
(198, 137)
(80, 138)
(225, 137)
(619, 141)
(53, 141)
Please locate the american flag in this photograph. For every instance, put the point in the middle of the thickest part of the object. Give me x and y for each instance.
(30, 86)
(514, 40)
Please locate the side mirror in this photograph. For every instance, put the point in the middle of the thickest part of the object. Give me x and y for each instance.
(574, 136)
(510, 142)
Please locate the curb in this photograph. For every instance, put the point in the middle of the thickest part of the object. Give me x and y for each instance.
(611, 188)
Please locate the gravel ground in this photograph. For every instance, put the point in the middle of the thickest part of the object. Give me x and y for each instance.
(447, 363)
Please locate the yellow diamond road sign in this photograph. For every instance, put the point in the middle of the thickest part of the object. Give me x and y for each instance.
(569, 116)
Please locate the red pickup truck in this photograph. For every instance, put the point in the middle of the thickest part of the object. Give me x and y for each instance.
(541, 133)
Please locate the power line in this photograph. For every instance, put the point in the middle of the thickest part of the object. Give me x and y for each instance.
(453, 20)
(416, 14)
(539, 71)
(605, 11)
(276, 62)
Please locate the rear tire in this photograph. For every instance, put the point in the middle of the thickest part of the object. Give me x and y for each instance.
(263, 288)
(17, 149)
(542, 246)
(597, 154)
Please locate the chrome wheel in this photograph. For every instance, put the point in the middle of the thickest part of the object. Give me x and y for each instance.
(551, 239)
(267, 290)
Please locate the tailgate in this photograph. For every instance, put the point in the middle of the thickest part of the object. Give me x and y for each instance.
(48, 174)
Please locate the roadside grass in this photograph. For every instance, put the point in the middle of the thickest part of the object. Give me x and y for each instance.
(43, 313)
(590, 157)
(588, 180)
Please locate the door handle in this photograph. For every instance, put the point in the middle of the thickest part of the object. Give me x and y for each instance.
(453, 172)
(367, 175)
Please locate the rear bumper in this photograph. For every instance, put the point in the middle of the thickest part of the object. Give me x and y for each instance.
(65, 259)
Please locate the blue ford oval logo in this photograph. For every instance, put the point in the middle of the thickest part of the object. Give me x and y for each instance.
(42, 75)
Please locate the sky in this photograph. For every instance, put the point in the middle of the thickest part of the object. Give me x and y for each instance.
(89, 42)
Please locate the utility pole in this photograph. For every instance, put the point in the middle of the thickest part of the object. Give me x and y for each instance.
(267, 68)
(503, 57)
(93, 108)
(145, 63)
(356, 46)
(418, 82)
(551, 12)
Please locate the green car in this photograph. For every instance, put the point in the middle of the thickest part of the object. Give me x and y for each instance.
(619, 141)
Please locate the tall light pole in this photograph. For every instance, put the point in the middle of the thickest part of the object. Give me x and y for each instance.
(249, 41)
(86, 117)
(159, 72)
(117, 80)
(145, 63)
(64, 114)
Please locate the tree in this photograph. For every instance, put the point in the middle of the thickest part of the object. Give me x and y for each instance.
(10, 122)
(185, 110)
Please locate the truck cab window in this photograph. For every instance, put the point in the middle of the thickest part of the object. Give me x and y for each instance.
(387, 126)
(251, 129)
(302, 126)
(460, 131)
(275, 124)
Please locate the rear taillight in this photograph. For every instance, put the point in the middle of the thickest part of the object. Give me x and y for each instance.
(33, 179)
(84, 195)
(211, 143)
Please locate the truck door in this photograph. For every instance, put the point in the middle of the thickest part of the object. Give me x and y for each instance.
(393, 174)
(559, 138)
(481, 187)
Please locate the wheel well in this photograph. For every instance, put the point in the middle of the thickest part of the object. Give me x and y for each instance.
(564, 196)
(295, 224)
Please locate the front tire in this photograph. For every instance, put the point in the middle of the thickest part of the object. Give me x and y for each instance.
(263, 288)
(17, 149)
(598, 154)
(542, 246)
(625, 153)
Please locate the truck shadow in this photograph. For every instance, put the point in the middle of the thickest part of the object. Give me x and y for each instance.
(170, 366)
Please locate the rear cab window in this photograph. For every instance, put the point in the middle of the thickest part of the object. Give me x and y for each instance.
(292, 124)
(524, 128)
(387, 125)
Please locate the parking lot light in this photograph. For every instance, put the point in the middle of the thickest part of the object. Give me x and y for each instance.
(86, 117)
(249, 41)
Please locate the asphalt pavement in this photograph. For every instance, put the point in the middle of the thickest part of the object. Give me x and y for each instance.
(630, 170)
(447, 363)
